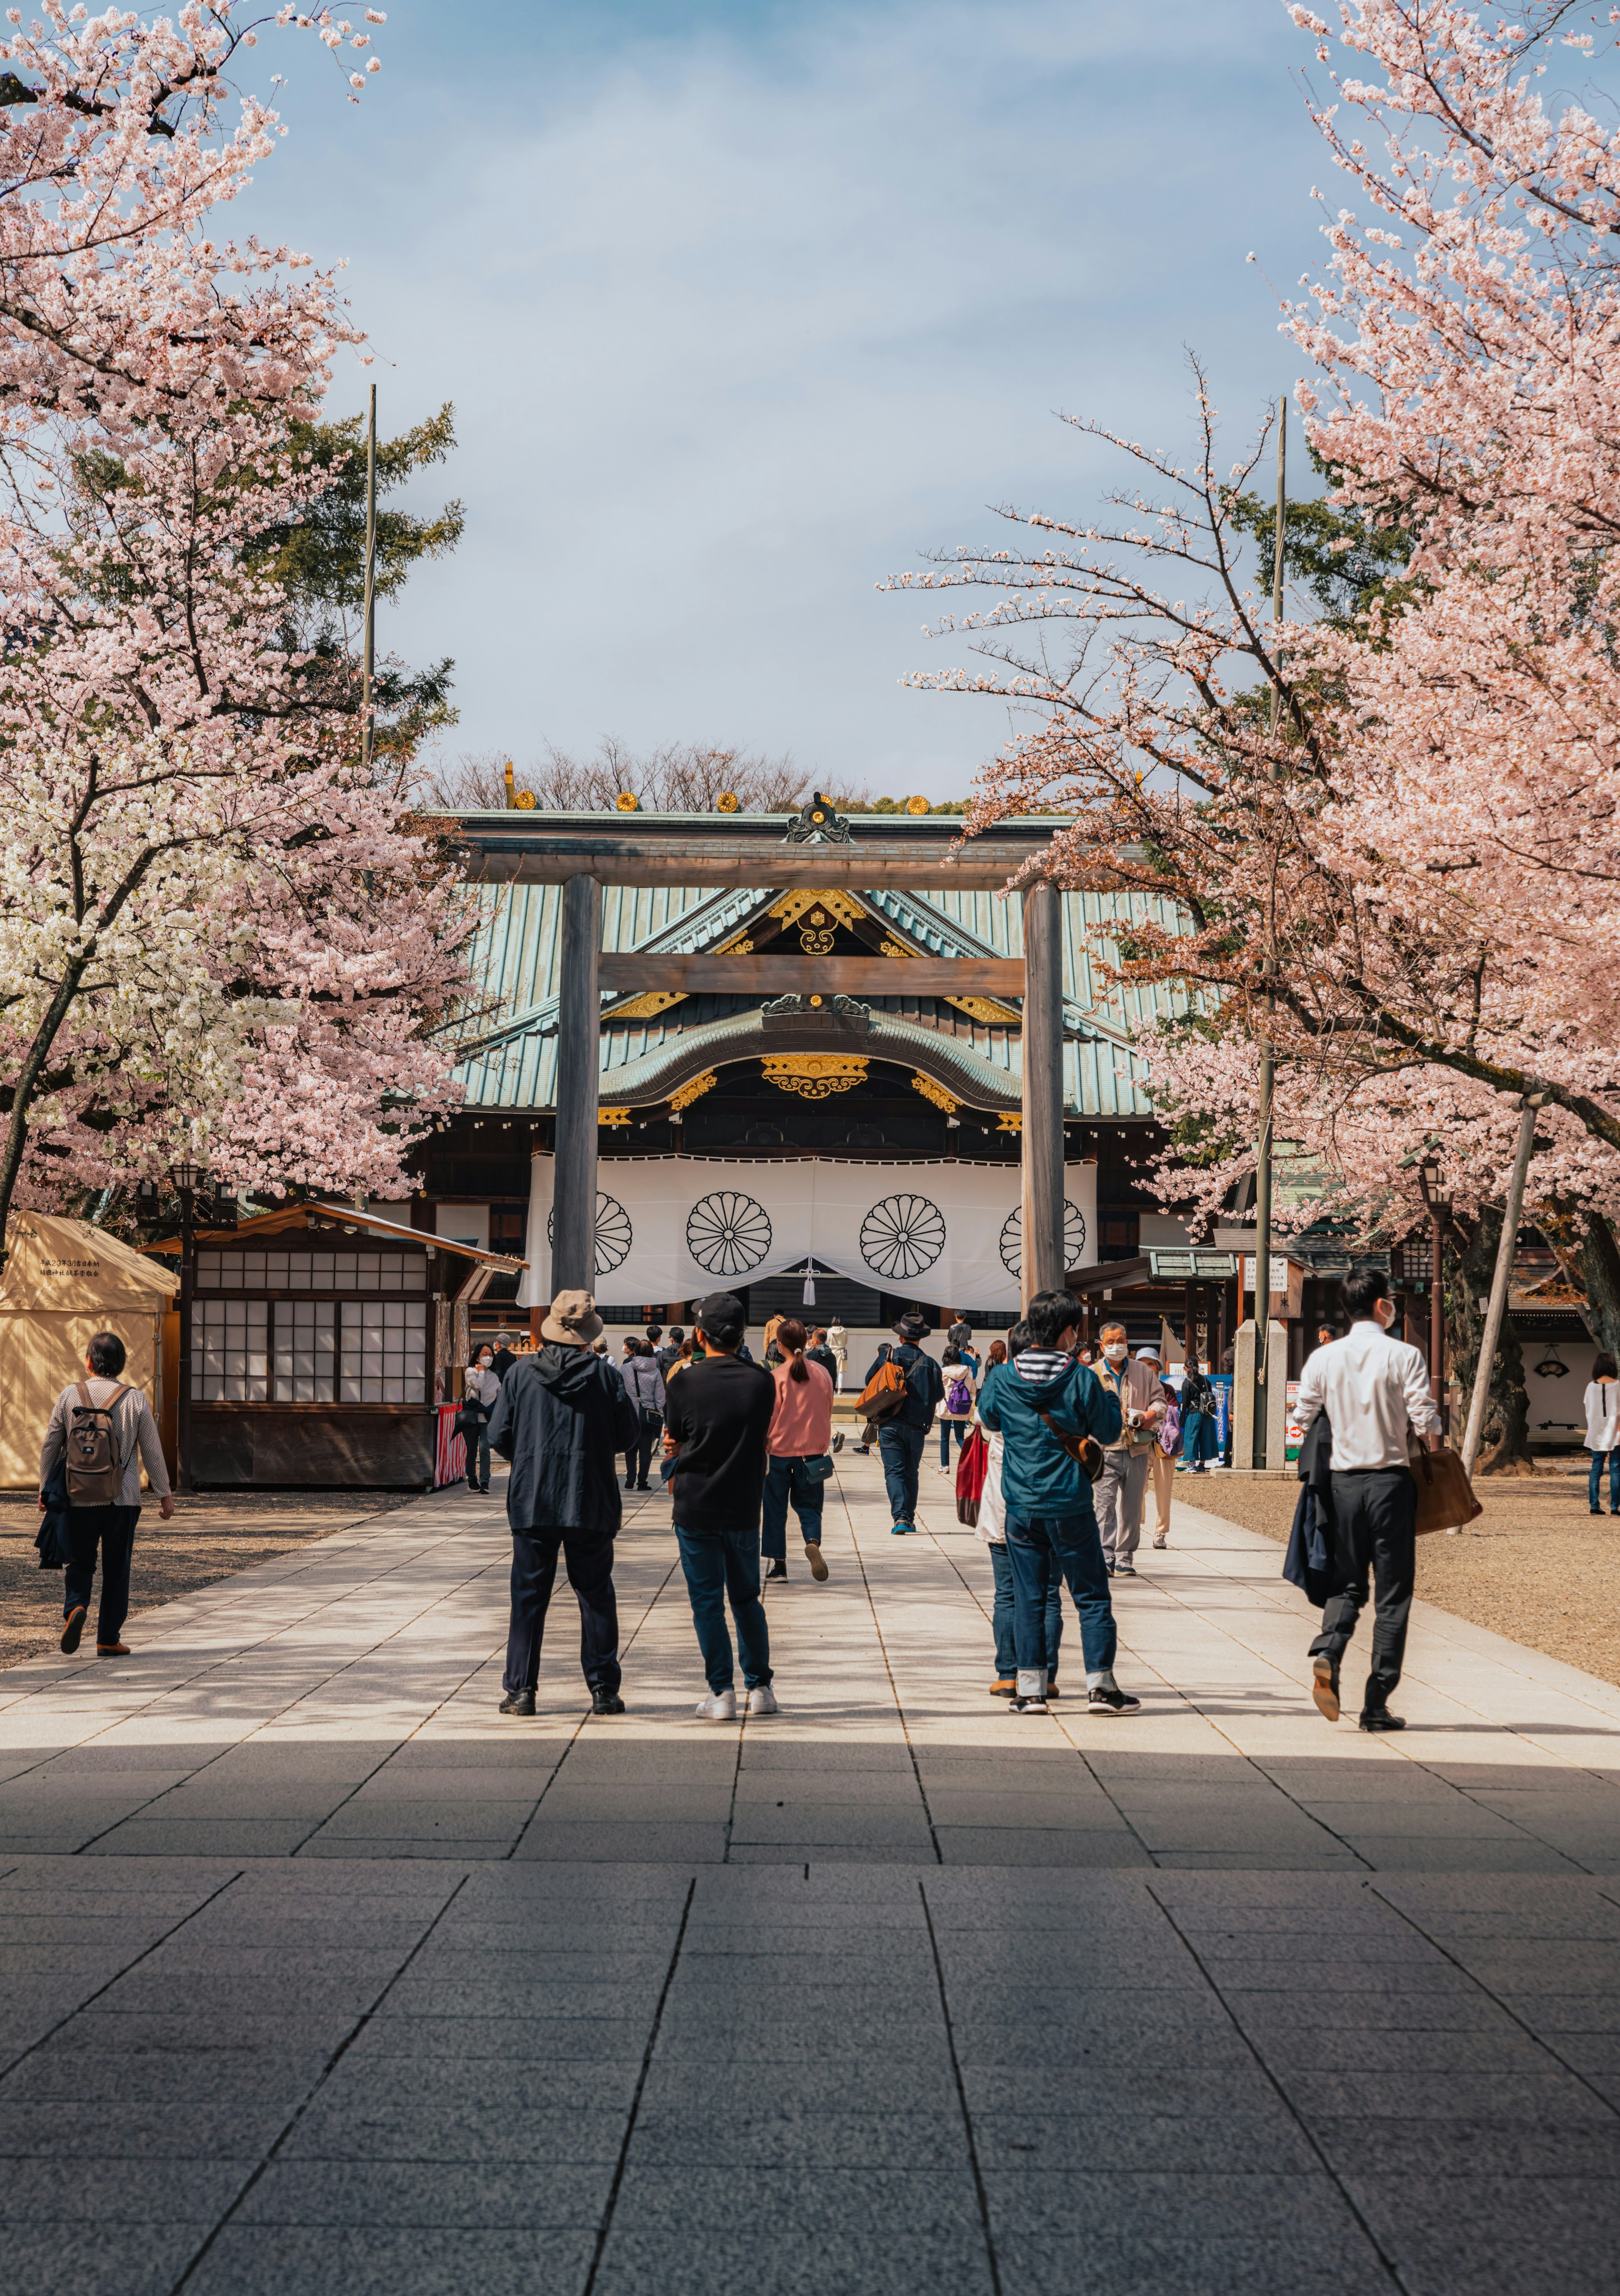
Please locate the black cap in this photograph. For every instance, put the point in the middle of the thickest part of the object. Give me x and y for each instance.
(721, 1311)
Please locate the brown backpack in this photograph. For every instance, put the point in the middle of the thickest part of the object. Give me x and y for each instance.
(884, 1394)
(94, 1471)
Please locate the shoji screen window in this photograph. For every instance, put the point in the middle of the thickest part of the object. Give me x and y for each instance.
(306, 1350)
(384, 1351)
(230, 1351)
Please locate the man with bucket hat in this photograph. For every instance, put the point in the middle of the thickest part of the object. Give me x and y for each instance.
(561, 1418)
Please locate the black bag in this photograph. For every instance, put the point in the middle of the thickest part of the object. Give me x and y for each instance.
(55, 1551)
(468, 1421)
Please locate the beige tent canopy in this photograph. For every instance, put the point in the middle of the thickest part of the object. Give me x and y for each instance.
(62, 1281)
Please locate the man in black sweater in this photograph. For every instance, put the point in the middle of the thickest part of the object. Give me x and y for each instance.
(719, 1413)
(900, 1440)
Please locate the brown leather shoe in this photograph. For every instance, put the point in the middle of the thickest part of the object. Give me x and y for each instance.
(72, 1627)
(1325, 1688)
(112, 1650)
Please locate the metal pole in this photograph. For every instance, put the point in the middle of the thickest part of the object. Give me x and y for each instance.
(573, 1249)
(1436, 1312)
(1263, 1160)
(1499, 1286)
(1042, 1177)
(371, 580)
(183, 1400)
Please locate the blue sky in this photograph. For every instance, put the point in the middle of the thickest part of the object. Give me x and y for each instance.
(744, 307)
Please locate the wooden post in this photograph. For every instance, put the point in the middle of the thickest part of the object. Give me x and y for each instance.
(1499, 1283)
(1043, 1255)
(573, 1250)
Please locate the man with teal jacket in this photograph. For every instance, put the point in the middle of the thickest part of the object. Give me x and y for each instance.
(1051, 1525)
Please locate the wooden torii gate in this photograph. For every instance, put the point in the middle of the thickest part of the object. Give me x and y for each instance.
(815, 848)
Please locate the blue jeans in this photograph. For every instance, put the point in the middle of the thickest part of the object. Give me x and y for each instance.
(1001, 1617)
(900, 1449)
(1594, 1481)
(1041, 1552)
(718, 1563)
(785, 1478)
(961, 1426)
(1198, 1438)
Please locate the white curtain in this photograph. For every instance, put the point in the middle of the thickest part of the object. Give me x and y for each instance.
(672, 1227)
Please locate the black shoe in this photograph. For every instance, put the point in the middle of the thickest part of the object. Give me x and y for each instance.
(629, 1483)
(1380, 1718)
(838, 1441)
(1027, 1706)
(607, 1701)
(518, 1702)
(776, 1569)
(641, 1487)
(1598, 1510)
(471, 1485)
(483, 1490)
(73, 1626)
(1111, 1701)
(1325, 1686)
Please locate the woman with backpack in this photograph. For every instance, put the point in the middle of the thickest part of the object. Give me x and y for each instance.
(799, 1445)
(956, 1405)
(1198, 1420)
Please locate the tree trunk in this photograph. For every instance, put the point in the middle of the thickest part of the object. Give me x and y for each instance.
(1470, 1263)
(1600, 1266)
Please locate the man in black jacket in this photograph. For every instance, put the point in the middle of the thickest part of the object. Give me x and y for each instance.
(719, 1413)
(900, 1440)
(561, 1418)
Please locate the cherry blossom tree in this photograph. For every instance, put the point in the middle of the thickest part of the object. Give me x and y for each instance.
(1392, 842)
(213, 932)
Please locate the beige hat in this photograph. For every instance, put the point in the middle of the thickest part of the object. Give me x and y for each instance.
(572, 1320)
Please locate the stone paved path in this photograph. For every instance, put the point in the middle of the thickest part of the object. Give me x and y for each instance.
(320, 1975)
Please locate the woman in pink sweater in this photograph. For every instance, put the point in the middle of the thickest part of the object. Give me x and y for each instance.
(800, 1434)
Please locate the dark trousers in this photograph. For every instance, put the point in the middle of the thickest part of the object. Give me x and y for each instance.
(478, 1454)
(1375, 1513)
(112, 1529)
(1043, 1552)
(1594, 1481)
(639, 1457)
(787, 1480)
(900, 1449)
(961, 1426)
(1002, 1612)
(588, 1557)
(718, 1563)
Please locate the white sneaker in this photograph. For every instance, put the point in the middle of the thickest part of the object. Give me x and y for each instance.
(721, 1707)
(763, 1701)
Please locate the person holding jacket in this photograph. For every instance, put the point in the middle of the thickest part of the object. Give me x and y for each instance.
(112, 1527)
(644, 1384)
(800, 1435)
(900, 1440)
(561, 1418)
(1035, 1402)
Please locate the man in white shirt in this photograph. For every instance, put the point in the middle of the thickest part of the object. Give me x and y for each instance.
(1376, 1393)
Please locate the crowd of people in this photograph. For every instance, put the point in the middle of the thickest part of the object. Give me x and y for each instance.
(1073, 1436)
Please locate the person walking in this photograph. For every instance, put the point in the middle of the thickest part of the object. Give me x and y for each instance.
(719, 1411)
(818, 1352)
(123, 1415)
(955, 1406)
(644, 1384)
(1122, 1485)
(1198, 1420)
(1166, 1441)
(666, 1355)
(1044, 1405)
(1602, 1402)
(838, 1342)
(480, 1388)
(562, 1419)
(991, 1527)
(502, 1359)
(900, 1440)
(960, 1333)
(799, 1445)
(1374, 1391)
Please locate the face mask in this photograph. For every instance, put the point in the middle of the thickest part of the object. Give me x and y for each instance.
(1116, 1355)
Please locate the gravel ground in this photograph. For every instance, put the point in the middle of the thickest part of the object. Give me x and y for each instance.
(1535, 1565)
(208, 1538)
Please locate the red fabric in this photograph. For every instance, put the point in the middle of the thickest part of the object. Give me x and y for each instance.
(971, 1467)
(450, 1449)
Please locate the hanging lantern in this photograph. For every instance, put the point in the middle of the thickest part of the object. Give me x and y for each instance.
(1552, 1365)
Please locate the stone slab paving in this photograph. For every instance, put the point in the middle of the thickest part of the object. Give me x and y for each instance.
(320, 1975)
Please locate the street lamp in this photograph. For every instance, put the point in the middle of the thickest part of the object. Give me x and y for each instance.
(188, 1177)
(1437, 1199)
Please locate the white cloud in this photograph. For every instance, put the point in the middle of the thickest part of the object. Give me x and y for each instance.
(736, 327)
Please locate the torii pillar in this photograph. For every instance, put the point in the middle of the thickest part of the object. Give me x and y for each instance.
(573, 1250)
(1042, 1222)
